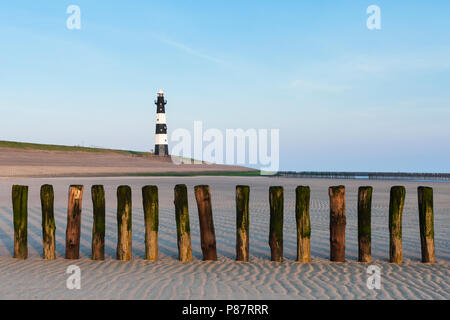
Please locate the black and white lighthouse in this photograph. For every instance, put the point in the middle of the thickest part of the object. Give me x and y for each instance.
(161, 145)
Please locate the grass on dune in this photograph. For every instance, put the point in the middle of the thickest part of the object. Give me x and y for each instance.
(194, 174)
(53, 147)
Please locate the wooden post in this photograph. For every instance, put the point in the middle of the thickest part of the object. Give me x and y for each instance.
(73, 231)
(183, 226)
(124, 248)
(396, 203)
(276, 223)
(302, 198)
(364, 224)
(98, 227)
(242, 223)
(205, 217)
(20, 215)
(151, 220)
(426, 221)
(337, 223)
(48, 222)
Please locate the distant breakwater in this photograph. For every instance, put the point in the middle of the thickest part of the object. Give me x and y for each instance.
(442, 177)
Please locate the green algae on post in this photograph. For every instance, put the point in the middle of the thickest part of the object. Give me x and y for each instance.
(48, 222)
(276, 201)
(242, 223)
(20, 215)
(396, 204)
(302, 199)
(98, 228)
(183, 225)
(364, 224)
(151, 221)
(426, 223)
(124, 243)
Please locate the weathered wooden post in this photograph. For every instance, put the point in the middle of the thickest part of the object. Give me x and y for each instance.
(20, 215)
(98, 227)
(73, 231)
(302, 199)
(151, 220)
(426, 222)
(364, 224)
(396, 203)
(337, 223)
(124, 248)
(183, 226)
(276, 200)
(48, 222)
(205, 217)
(242, 223)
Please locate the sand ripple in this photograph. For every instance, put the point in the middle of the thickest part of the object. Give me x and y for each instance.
(168, 278)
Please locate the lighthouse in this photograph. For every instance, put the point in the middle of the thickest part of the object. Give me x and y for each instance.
(161, 145)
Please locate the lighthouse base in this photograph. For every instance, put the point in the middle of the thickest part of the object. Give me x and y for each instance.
(161, 150)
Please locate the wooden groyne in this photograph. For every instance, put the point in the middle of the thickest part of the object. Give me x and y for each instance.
(203, 196)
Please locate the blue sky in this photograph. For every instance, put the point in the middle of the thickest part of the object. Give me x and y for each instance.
(344, 97)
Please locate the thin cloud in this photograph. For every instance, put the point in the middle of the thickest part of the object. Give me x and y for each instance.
(190, 51)
(319, 86)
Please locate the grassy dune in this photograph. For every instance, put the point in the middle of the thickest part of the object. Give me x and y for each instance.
(54, 147)
(32, 159)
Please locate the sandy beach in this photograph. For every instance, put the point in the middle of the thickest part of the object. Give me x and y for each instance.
(167, 278)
